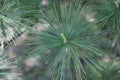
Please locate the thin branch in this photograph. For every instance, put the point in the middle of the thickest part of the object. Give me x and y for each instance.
(6, 44)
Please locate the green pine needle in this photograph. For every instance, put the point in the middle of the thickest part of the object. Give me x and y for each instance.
(68, 43)
(108, 15)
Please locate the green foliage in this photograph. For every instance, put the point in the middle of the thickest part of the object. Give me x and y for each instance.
(68, 47)
(5, 66)
(9, 17)
(108, 14)
(31, 9)
(110, 72)
(69, 41)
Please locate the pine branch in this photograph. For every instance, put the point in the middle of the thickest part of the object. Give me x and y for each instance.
(7, 44)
